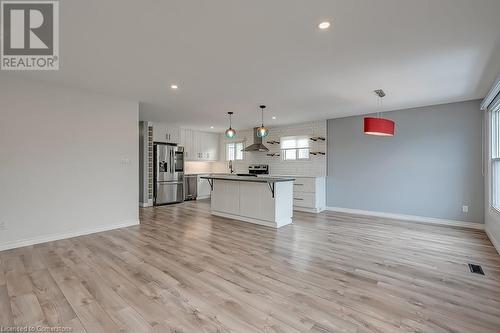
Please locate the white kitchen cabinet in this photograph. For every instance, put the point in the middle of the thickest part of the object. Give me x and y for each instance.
(258, 202)
(197, 146)
(200, 146)
(210, 146)
(309, 194)
(203, 188)
(252, 201)
(186, 141)
(173, 134)
(226, 197)
(163, 132)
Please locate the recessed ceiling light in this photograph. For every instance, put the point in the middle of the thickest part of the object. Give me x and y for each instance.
(274, 117)
(174, 86)
(211, 127)
(324, 25)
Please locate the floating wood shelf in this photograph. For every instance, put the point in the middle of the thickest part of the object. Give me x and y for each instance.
(317, 153)
(273, 142)
(273, 154)
(318, 138)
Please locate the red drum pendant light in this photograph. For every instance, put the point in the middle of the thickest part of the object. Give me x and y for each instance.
(379, 126)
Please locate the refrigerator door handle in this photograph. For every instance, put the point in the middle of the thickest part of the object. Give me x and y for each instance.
(171, 161)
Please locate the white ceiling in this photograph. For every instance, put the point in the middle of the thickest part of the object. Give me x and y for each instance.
(232, 55)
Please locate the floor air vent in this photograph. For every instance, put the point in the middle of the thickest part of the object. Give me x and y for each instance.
(476, 269)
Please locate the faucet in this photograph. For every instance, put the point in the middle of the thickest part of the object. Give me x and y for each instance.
(231, 166)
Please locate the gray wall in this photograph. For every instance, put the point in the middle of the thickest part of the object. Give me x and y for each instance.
(431, 167)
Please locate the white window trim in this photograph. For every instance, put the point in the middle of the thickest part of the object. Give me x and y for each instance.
(296, 147)
(493, 160)
(296, 154)
(234, 143)
(492, 177)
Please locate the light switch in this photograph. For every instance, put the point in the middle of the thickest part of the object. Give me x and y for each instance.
(125, 161)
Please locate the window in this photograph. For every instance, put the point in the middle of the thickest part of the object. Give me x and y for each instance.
(495, 156)
(295, 147)
(234, 151)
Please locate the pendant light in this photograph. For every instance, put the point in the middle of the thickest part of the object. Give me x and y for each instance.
(262, 131)
(230, 132)
(379, 126)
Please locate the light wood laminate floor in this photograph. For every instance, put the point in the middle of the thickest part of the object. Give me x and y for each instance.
(183, 270)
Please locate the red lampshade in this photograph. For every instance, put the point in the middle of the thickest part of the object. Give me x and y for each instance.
(379, 126)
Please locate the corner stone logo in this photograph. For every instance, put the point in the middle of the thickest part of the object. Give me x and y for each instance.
(29, 35)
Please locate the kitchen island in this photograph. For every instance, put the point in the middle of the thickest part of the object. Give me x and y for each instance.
(261, 200)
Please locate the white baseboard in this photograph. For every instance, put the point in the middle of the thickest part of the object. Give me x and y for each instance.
(494, 241)
(413, 218)
(64, 235)
(308, 210)
(277, 224)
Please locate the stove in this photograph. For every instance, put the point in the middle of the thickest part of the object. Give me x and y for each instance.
(258, 169)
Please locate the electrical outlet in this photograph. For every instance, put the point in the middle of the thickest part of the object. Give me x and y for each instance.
(465, 209)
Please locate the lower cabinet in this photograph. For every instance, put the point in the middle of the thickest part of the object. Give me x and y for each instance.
(309, 194)
(253, 202)
(203, 189)
(226, 197)
(258, 201)
(304, 199)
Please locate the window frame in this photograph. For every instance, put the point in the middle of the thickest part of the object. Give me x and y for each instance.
(296, 147)
(494, 156)
(235, 157)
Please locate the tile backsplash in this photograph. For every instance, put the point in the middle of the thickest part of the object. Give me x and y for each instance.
(314, 166)
(198, 167)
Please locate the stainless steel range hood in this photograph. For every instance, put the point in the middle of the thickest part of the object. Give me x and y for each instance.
(257, 143)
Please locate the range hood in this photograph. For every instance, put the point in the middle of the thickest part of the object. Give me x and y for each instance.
(257, 143)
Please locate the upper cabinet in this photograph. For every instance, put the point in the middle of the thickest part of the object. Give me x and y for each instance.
(210, 146)
(186, 141)
(199, 146)
(163, 132)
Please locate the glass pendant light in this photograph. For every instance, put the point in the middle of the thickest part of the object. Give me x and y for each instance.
(262, 131)
(230, 132)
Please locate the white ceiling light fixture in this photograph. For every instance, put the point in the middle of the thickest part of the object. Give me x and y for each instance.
(174, 87)
(274, 117)
(324, 25)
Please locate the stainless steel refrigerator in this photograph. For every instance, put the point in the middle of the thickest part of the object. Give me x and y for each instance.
(169, 174)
